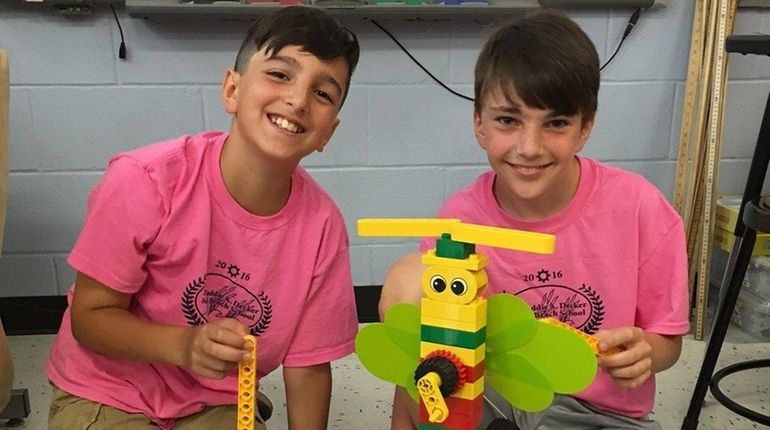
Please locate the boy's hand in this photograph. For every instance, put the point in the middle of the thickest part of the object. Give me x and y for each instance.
(633, 366)
(212, 350)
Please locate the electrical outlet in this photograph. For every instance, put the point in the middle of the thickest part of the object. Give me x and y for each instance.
(74, 7)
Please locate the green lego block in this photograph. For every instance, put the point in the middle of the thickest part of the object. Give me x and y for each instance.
(448, 248)
(452, 337)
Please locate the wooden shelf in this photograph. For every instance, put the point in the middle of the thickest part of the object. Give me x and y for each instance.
(240, 11)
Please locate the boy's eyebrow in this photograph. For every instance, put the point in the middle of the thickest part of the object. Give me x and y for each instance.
(515, 108)
(512, 108)
(291, 61)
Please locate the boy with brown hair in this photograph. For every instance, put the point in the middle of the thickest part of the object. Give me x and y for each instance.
(190, 244)
(619, 271)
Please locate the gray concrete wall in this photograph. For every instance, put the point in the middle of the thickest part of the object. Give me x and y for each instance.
(404, 143)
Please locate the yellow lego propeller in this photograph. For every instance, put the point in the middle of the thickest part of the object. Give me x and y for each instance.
(460, 232)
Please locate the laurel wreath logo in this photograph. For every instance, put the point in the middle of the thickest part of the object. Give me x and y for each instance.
(597, 313)
(267, 315)
(188, 301)
(193, 317)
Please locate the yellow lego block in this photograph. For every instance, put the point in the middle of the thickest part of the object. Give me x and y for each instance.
(473, 262)
(429, 227)
(438, 322)
(539, 243)
(470, 390)
(247, 387)
(470, 317)
(469, 357)
(472, 283)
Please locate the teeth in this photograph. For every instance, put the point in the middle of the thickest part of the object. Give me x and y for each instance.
(286, 124)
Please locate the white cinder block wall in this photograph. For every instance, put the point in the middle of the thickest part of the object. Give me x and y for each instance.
(404, 143)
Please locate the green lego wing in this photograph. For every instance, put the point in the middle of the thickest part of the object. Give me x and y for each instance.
(391, 350)
(531, 360)
(519, 382)
(510, 324)
(564, 357)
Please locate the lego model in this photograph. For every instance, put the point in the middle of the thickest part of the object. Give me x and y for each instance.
(247, 387)
(444, 352)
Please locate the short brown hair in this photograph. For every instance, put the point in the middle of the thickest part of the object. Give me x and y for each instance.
(312, 29)
(546, 58)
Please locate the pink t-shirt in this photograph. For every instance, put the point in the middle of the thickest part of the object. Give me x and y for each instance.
(162, 226)
(620, 260)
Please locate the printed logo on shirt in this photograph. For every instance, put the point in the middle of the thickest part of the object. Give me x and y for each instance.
(580, 307)
(218, 296)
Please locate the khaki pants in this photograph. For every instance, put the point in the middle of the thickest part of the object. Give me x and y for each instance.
(69, 412)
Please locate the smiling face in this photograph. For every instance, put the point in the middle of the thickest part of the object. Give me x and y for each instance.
(532, 152)
(285, 103)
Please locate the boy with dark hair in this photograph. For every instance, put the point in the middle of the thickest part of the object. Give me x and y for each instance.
(190, 244)
(619, 271)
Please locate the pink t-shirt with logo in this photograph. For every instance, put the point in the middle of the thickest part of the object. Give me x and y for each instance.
(620, 260)
(162, 226)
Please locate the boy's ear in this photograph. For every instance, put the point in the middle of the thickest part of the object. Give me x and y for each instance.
(479, 131)
(322, 144)
(230, 91)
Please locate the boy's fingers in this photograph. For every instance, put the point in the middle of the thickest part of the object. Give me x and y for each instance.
(229, 353)
(632, 382)
(211, 373)
(214, 364)
(212, 367)
(607, 339)
(233, 325)
(629, 361)
(617, 337)
(228, 332)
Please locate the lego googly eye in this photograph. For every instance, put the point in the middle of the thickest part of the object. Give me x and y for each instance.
(459, 287)
(438, 283)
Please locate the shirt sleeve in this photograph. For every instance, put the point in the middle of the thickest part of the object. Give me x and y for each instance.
(123, 216)
(329, 322)
(663, 302)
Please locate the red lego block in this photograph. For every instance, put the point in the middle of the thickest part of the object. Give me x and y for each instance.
(463, 414)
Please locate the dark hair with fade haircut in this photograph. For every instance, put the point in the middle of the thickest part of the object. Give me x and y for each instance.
(312, 29)
(547, 59)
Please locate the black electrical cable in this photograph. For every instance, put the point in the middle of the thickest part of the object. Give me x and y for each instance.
(122, 50)
(630, 26)
(420, 65)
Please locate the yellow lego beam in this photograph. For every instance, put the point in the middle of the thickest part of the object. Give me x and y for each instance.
(395, 227)
(428, 387)
(539, 243)
(247, 387)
